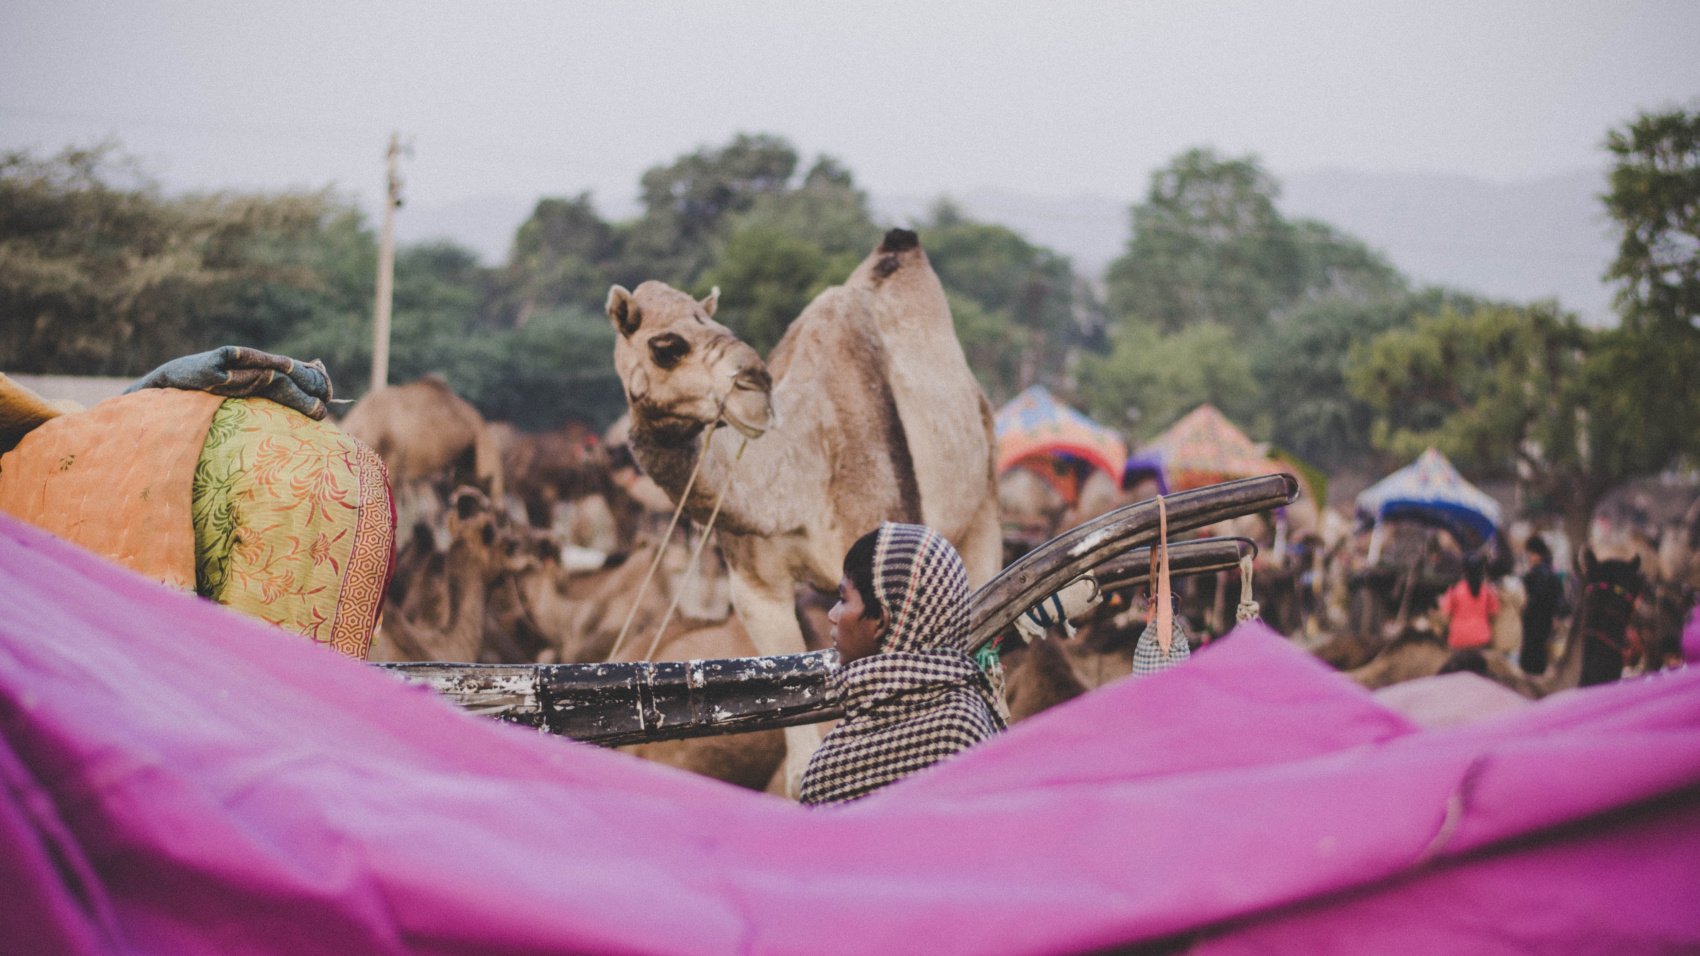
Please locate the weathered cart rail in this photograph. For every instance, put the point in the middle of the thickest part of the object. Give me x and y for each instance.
(635, 702)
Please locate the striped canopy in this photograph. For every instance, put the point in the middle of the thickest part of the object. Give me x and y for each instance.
(1034, 425)
(1204, 448)
(1431, 490)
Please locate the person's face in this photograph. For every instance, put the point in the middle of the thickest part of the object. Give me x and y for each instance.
(855, 637)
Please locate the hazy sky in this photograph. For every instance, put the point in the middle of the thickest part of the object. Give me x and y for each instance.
(1050, 99)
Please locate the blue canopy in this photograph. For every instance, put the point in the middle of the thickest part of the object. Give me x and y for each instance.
(1431, 490)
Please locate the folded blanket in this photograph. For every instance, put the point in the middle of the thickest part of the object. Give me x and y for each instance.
(240, 500)
(293, 524)
(237, 372)
(116, 480)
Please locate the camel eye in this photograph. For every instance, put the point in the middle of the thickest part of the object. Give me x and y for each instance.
(668, 349)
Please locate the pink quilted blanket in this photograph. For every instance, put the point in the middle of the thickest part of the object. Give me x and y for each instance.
(178, 779)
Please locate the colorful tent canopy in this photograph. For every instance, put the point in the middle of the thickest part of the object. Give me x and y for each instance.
(1035, 425)
(1204, 448)
(1431, 490)
(177, 778)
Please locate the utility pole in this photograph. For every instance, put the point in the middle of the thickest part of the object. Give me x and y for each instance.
(386, 273)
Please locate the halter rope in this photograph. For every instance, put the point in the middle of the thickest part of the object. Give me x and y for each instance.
(691, 569)
(661, 551)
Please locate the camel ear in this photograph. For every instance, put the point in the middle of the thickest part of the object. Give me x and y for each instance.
(711, 301)
(622, 311)
(1635, 565)
(1588, 563)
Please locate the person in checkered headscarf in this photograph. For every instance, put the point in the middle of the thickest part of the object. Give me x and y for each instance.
(912, 696)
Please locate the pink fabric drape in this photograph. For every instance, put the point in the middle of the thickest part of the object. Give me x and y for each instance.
(180, 779)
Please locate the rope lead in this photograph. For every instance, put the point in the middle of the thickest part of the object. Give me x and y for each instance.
(1248, 610)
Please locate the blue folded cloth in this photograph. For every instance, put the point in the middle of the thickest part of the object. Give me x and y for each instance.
(239, 372)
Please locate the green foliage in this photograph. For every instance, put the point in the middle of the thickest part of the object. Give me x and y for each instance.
(556, 366)
(1163, 376)
(687, 203)
(1655, 199)
(1209, 245)
(785, 249)
(1020, 323)
(101, 275)
(767, 277)
(563, 255)
(1649, 363)
(1477, 385)
(1522, 391)
(1222, 299)
(1300, 364)
(1003, 272)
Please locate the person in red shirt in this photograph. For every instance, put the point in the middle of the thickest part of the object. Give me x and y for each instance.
(1470, 605)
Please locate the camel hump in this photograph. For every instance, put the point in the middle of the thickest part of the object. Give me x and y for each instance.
(900, 240)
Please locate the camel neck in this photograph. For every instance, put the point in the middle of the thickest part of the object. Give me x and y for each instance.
(753, 503)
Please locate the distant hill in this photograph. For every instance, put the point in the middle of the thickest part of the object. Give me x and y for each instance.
(1525, 240)
(1522, 240)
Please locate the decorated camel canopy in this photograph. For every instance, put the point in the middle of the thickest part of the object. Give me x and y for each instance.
(1204, 448)
(1430, 490)
(1038, 432)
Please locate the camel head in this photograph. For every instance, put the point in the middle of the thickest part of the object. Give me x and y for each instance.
(682, 370)
(483, 538)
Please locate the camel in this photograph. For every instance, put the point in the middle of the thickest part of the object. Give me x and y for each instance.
(865, 412)
(1039, 676)
(475, 560)
(566, 465)
(577, 616)
(422, 430)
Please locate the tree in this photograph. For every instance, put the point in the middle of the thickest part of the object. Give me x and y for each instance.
(787, 247)
(686, 204)
(1649, 362)
(102, 275)
(766, 277)
(1150, 379)
(562, 256)
(1655, 198)
(1209, 245)
(1301, 362)
(1508, 391)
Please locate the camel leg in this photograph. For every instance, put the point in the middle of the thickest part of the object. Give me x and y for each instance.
(770, 616)
(982, 543)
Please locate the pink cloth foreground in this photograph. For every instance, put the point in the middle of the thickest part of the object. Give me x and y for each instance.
(181, 780)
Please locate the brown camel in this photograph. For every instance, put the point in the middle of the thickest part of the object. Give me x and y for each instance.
(475, 560)
(565, 465)
(870, 414)
(423, 430)
(577, 616)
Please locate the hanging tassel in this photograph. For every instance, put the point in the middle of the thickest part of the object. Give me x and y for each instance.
(1248, 610)
(1165, 612)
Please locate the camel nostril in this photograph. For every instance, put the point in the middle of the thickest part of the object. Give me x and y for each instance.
(753, 380)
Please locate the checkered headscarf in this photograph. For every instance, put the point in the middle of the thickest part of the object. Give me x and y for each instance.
(922, 698)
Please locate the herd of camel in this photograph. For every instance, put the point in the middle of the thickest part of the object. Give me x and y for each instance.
(865, 411)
